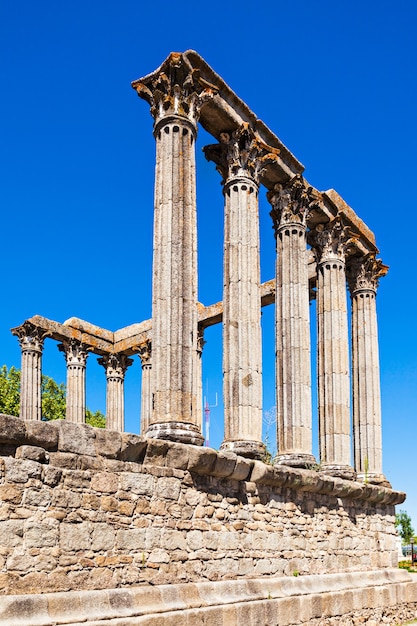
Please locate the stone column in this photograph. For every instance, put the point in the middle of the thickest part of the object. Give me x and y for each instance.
(330, 243)
(199, 377)
(175, 94)
(146, 402)
(240, 159)
(363, 275)
(76, 357)
(115, 366)
(31, 341)
(291, 206)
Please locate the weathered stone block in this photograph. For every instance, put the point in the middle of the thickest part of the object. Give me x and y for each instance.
(42, 434)
(141, 484)
(105, 482)
(201, 460)
(21, 470)
(74, 537)
(12, 430)
(108, 443)
(168, 488)
(76, 438)
(133, 447)
(33, 453)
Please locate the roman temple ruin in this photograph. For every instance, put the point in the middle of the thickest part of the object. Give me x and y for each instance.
(102, 525)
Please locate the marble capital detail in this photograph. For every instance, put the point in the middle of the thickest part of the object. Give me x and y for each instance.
(30, 337)
(145, 353)
(364, 273)
(75, 352)
(175, 89)
(241, 155)
(291, 203)
(115, 365)
(332, 240)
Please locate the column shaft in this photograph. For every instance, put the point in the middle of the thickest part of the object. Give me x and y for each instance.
(31, 342)
(115, 366)
(333, 354)
(242, 341)
(292, 324)
(174, 303)
(76, 357)
(145, 354)
(367, 433)
(175, 94)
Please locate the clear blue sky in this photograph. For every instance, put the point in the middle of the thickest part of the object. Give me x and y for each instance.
(336, 81)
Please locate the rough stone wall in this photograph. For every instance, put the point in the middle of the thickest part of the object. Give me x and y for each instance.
(82, 508)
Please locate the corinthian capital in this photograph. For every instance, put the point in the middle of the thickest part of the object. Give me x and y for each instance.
(292, 203)
(175, 89)
(115, 365)
(332, 240)
(145, 352)
(241, 154)
(75, 352)
(30, 337)
(365, 272)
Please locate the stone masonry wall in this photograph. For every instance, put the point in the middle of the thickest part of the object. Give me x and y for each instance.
(84, 508)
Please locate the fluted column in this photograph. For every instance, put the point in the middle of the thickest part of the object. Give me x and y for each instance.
(76, 357)
(146, 402)
(115, 366)
(291, 206)
(176, 95)
(199, 377)
(240, 159)
(330, 244)
(31, 343)
(363, 275)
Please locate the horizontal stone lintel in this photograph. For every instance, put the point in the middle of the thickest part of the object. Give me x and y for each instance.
(99, 445)
(289, 596)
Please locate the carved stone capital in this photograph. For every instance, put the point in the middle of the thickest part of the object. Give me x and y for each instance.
(363, 273)
(75, 352)
(241, 155)
(115, 365)
(30, 337)
(175, 89)
(291, 203)
(145, 352)
(331, 241)
(200, 341)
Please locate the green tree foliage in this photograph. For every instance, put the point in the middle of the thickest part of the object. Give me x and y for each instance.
(9, 390)
(53, 398)
(403, 524)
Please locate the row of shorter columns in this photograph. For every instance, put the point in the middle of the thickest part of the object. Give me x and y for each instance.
(31, 339)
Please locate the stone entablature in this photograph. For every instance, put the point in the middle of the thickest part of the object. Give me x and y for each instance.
(86, 508)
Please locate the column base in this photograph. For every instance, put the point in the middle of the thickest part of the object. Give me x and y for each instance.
(183, 432)
(294, 459)
(373, 479)
(248, 449)
(339, 471)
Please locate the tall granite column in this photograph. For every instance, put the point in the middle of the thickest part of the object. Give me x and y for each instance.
(115, 366)
(291, 206)
(175, 94)
(146, 402)
(240, 159)
(363, 275)
(333, 350)
(76, 358)
(31, 343)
